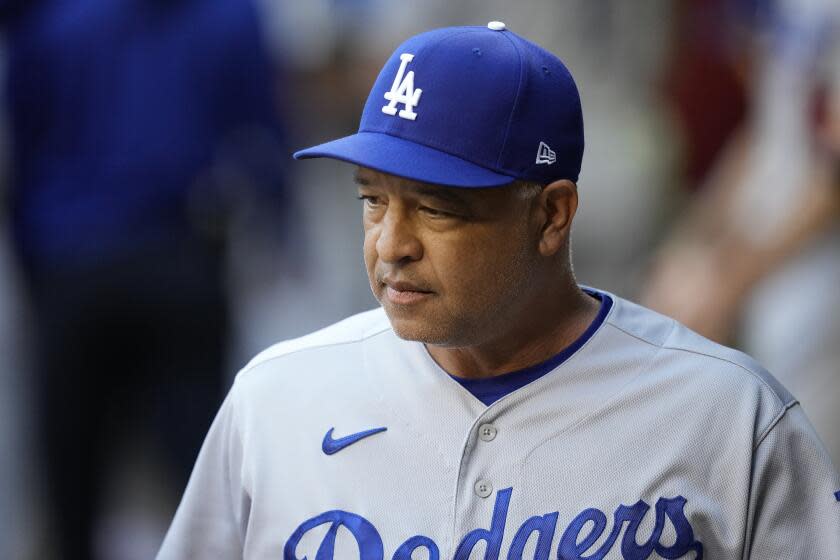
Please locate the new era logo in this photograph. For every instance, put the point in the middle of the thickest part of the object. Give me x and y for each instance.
(545, 154)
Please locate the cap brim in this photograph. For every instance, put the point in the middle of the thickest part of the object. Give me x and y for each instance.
(396, 156)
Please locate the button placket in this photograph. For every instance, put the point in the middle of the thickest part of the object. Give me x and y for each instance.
(486, 432)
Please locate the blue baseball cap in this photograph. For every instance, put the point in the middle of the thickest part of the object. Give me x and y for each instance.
(468, 107)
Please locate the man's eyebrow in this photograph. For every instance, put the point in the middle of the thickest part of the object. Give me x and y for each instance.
(359, 180)
(448, 194)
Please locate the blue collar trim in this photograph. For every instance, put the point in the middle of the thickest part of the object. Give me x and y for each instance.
(491, 389)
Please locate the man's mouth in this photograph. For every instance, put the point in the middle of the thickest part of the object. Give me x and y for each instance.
(405, 293)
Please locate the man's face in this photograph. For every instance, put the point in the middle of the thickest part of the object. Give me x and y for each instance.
(448, 265)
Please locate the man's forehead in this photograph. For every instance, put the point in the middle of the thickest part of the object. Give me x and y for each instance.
(366, 176)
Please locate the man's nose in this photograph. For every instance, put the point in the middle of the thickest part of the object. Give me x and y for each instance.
(397, 240)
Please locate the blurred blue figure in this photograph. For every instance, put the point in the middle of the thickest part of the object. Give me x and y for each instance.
(135, 126)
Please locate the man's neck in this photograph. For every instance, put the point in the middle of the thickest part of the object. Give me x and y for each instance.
(536, 340)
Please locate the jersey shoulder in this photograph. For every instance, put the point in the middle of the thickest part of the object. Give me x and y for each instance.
(353, 329)
(703, 363)
(327, 365)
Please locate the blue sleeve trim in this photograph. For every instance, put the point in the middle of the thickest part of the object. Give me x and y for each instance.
(492, 389)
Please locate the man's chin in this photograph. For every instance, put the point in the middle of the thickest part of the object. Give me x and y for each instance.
(415, 329)
(427, 331)
(409, 330)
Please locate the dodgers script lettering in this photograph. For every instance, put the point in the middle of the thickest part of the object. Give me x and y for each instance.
(576, 543)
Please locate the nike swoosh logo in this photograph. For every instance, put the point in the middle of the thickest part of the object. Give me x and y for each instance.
(331, 446)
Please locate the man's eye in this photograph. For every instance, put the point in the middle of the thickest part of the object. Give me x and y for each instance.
(369, 200)
(435, 213)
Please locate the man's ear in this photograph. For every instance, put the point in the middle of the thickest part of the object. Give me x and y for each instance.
(557, 206)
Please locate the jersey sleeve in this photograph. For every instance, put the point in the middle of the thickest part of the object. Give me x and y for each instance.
(210, 521)
(794, 509)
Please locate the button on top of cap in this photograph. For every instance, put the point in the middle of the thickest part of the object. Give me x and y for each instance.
(496, 25)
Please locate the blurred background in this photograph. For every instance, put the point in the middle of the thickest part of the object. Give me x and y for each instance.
(155, 234)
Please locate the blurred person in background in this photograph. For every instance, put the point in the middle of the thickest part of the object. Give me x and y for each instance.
(137, 129)
(756, 259)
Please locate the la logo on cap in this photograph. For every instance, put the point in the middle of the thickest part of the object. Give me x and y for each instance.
(402, 91)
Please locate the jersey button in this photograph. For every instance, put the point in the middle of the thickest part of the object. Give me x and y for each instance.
(483, 488)
(487, 432)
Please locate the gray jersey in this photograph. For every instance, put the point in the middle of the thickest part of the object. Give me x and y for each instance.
(648, 442)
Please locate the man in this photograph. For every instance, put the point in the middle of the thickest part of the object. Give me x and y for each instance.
(492, 407)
